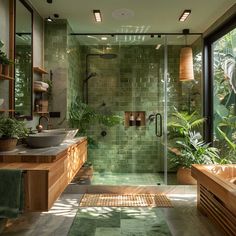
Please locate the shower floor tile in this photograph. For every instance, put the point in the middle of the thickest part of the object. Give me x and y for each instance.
(131, 178)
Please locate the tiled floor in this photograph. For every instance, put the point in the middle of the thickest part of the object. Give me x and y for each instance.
(182, 220)
(147, 179)
(105, 221)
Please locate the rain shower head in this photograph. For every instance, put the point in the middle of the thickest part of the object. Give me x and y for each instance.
(108, 56)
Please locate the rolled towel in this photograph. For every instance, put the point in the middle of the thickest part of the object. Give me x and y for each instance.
(43, 84)
(39, 87)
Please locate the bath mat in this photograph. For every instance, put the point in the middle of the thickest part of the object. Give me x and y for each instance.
(117, 221)
(125, 200)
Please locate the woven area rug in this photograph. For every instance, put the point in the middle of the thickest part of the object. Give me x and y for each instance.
(125, 200)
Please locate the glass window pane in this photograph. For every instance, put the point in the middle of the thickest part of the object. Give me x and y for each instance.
(224, 60)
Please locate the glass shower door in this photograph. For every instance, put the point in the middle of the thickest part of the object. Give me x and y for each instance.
(136, 78)
(142, 102)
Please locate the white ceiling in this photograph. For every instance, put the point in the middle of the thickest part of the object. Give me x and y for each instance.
(146, 16)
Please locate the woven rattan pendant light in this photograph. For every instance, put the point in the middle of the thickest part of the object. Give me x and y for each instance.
(186, 63)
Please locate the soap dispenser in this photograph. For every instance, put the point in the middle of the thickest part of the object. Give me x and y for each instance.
(138, 120)
(131, 120)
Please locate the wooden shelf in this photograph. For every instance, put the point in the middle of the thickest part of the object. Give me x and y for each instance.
(2, 77)
(41, 112)
(6, 110)
(40, 70)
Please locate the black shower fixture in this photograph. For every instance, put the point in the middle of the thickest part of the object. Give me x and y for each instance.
(49, 1)
(103, 133)
(186, 31)
(90, 75)
(56, 15)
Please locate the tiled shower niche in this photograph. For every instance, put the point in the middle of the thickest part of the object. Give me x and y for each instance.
(134, 118)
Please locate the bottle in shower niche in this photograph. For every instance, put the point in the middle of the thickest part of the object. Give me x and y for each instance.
(131, 120)
(138, 120)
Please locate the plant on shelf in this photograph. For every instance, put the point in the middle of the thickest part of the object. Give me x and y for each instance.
(83, 116)
(10, 131)
(188, 145)
(5, 62)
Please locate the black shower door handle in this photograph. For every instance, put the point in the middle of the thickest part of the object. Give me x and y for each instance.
(160, 117)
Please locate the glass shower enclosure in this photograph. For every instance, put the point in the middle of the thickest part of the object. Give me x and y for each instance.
(135, 78)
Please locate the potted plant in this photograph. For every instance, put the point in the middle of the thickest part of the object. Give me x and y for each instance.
(10, 131)
(4, 62)
(189, 148)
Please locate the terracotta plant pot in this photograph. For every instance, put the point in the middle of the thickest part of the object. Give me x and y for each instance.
(7, 144)
(184, 176)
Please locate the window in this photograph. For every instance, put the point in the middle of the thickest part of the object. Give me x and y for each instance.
(220, 90)
(224, 94)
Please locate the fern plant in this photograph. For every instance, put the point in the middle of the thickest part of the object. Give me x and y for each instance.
(188, 146)
(83, 116)
(193, 150)
(182, 123)
(12, 128)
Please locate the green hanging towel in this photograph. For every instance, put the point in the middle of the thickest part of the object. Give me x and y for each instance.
(11, 193)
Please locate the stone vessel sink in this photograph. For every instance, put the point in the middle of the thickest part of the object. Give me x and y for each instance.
(42, 140)
(70, 133)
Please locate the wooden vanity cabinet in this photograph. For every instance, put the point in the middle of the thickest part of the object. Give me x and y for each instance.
(44, 182)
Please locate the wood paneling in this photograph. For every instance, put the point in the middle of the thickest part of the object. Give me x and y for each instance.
(44, 182)
(216, 194)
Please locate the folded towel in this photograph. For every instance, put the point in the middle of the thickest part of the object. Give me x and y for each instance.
(43, 84)
(11, 193)
(39, 87)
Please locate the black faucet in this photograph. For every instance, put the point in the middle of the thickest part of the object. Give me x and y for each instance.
(39, 127)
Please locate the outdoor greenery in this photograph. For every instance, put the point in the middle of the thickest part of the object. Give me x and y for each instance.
(187, 144)
(22, 80)
(225, 95)
(12, 128)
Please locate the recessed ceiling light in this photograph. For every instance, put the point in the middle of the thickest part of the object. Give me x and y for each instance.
(97, 15)
(104, 38)
(184, 15)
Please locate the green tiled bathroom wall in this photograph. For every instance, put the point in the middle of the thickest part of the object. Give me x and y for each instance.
(74, 82)
(131, 82)
(62, 57)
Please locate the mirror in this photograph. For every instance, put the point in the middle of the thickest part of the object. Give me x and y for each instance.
(23, 60)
